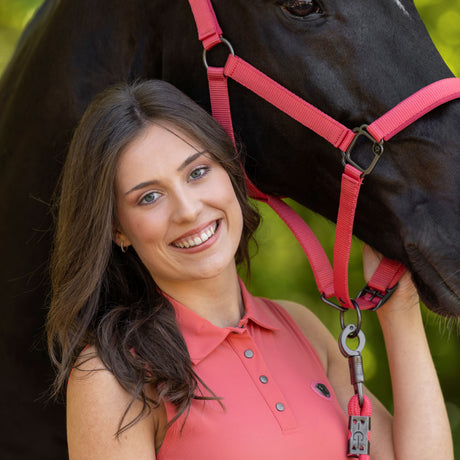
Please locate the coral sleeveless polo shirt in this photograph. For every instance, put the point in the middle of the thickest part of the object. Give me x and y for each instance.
(278, 402)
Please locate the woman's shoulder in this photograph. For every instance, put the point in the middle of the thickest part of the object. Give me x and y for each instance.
(95, 399)
(96, 406)
(89, 374)
(88, 360)
(311, 326)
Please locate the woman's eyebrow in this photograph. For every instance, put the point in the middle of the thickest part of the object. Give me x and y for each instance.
(187, 161)
(142, 185)
(190, 159)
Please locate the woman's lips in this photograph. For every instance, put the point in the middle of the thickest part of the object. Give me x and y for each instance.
(197, 238)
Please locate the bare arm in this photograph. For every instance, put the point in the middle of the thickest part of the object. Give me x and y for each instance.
(420, 424)
(95, 404)
(336, 367)
(419, 428)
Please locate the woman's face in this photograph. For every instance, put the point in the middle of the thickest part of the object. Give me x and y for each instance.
(176, 206)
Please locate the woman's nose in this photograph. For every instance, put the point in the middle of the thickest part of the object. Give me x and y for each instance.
(187, 207)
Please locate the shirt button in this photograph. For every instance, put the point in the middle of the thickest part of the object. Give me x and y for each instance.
(263, 378)
(280, 407)
(248, 353)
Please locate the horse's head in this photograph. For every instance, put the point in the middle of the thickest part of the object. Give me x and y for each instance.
(355, 61)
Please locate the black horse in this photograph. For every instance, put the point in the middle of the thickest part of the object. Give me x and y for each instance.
(353, 60)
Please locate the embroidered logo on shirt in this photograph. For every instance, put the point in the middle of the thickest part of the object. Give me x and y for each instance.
(321, 389)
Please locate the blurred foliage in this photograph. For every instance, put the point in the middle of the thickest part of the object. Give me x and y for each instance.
(280, 270)
(14, 15)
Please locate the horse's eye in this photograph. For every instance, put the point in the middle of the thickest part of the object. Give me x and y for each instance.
(301, 8)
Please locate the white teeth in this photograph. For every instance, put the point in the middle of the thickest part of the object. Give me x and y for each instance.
(197, 240)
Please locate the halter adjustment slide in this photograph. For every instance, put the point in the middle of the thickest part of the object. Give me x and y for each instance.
(375, 293)
(377, 150)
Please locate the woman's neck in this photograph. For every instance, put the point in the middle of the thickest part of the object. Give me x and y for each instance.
(219, 300)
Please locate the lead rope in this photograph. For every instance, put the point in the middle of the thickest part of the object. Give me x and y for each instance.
(330, 282)
(359, 406)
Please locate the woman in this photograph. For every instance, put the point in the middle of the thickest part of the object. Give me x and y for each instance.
(169, 356)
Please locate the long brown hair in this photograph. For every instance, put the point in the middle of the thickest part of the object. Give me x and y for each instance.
(108, 299)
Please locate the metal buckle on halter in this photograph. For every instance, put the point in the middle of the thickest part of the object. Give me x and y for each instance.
(377, 150)
(224, 42)
(375, 293)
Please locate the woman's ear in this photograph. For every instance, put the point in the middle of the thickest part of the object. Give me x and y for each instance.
(120, 239)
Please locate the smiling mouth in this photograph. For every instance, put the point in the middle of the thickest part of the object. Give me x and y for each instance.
(195, 240)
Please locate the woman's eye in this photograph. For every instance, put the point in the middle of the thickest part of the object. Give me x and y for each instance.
(149, 198)
(301, 8)
(198, 173)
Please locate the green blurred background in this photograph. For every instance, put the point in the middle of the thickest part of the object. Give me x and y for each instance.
(280, 270)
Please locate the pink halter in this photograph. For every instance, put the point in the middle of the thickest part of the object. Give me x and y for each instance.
(331, 281)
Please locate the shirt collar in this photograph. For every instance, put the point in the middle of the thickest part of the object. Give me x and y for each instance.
(202, 337)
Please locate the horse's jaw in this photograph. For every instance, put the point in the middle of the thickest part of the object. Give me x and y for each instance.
(410, 210)
(443, 296)
(432, 250)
